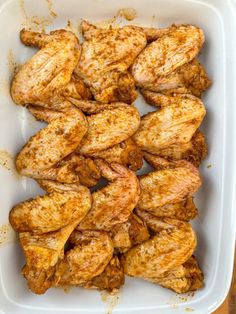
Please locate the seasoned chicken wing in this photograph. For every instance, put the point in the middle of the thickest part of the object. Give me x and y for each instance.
(175, 123)
(194, 151)
(129, 233)
(53, 143)
(184, 278)
(111, 279)
(51, 212)
(73, 169)
(42, 253)
(166, 54)
(168, 186)
(46, 79)
(91, 253)
(170, 247)
(106, 56)
(181, 278)
(109, 124)
(126, 153)
(184, 210)
(114, 203)
(190, 78)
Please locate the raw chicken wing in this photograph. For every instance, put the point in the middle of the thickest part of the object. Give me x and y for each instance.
(48, 74)
(194, 151)
(171, 246)
(184, 210)
(51, 212)
(91, 253)
(126, 153)
(129, 233)
(42, 253)
(111, 279)
(166, 54)
(175, 123)
(168, 186)
(114, 203)
(106, 56)
(108, 125)
(184, 278)
(190, 78)
(53, 143)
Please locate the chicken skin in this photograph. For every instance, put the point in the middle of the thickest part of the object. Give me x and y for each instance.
(171, 246)
(194, 151)
(190, 78)
(92, 252)
(74, 169)
(184, 278)
(42, 252)
(53, 143)
(48, 74)
(108, 125)
(114, 203)
(175, 123)
(181, 278)
(111, 279)
(51, 212)
(106, 55)
(129, 233)
(184, 210)
(49, 220)
(166, 54)
(168, 186)
(126, 153)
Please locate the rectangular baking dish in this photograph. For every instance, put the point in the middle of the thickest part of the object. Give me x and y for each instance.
(216, 199)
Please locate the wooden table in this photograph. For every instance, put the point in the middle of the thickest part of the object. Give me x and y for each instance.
(229, 305)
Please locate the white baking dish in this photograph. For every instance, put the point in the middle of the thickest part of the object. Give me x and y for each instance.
(217, 220)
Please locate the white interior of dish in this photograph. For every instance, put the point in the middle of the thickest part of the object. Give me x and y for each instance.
(215, 208)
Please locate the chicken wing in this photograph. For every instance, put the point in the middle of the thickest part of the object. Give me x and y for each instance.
(194, 151)
(166, 54)
(106, 56)
(126, 153)
(185, 210)
(175, 123)
(51, 212)
(92, 252)
(111, 279)
(109, 124)
(129, 233)
(53, 143)
(184, 278)
(190, 78)
(47, 75)
(114, 203)
(168, 186)
(42, 253)
(170, 247)
(73, 169)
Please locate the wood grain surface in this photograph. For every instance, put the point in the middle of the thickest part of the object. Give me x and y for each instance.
(229, 305)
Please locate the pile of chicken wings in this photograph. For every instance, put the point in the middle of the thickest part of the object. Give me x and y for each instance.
(135, 225)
